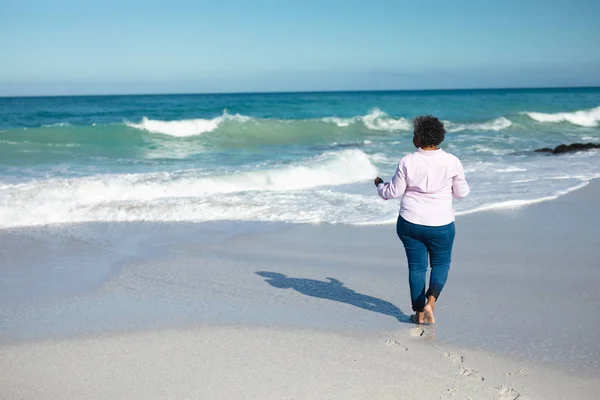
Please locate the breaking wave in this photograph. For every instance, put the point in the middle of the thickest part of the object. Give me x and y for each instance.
(494, 125)
(186, 127)
(587, 118)
(376, 120)
(183, 195)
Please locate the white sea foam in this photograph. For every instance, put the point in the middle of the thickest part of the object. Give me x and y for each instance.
(523, 181)
(254, 195)
(185, 127)
(485, 149)
(341, 122)
(384, 158)
(494, 125)
(510, 169)
(391, 218)
(376, 120)
(587, 118)
(518, 203)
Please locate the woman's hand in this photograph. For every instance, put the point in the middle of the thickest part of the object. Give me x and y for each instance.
(377, 181)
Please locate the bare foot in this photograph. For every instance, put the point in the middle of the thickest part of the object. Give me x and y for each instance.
(428, 314)
(417, 318)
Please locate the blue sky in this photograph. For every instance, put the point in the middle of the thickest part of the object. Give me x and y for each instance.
(135, 46)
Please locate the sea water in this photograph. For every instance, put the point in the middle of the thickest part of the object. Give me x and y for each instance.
(289, 157)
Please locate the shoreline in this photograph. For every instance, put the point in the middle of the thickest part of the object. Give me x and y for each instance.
(387, 220)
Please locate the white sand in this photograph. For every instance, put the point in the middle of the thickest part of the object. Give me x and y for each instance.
(141, 311)
(237, 363)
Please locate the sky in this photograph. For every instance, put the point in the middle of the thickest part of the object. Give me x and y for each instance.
(61, 47)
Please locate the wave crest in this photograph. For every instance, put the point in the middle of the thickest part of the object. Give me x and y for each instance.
(495, 125)
(328, 169)
(376, 120)
(185, 127)
(184, 195)
(341, 122)
(588, 118)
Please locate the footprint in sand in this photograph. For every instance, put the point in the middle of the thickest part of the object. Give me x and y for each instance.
(417, 332)
(522, 371)
(456, 359)
(452, 391)
(393, 342)
(471, 373)
(505, 393)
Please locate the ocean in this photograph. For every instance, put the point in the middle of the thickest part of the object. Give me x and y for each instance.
(287, 157)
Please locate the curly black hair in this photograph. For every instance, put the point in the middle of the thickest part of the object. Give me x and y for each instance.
(429, 131)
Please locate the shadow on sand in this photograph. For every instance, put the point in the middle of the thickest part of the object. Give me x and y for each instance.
(334, 290)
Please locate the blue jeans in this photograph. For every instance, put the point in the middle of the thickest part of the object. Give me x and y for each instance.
(422, 244)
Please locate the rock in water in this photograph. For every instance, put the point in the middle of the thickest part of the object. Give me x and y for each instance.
(564, 148)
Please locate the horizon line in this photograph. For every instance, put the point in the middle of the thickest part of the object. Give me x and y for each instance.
(276, 92)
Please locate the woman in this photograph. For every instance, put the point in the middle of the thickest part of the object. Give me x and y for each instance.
(426, 180)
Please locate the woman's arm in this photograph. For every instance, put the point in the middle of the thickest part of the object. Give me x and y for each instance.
(460, 187)
(395, 188)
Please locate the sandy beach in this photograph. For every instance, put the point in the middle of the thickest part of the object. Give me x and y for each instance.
(256, 310)
(200, 200)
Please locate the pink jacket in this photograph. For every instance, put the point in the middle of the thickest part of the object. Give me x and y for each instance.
(427, 181)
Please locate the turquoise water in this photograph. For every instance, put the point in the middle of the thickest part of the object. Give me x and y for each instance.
(293, 157)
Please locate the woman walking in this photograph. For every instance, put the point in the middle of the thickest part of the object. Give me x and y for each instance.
(426, 180)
